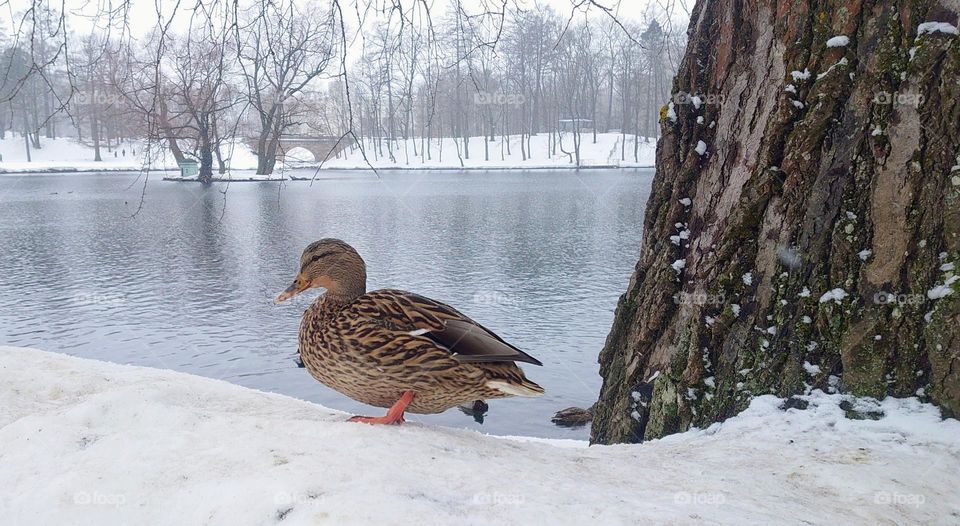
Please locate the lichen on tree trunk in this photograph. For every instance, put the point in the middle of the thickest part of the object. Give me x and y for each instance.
(813, 244)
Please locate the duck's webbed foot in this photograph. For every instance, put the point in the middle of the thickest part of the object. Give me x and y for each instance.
(394, 415)
(378, 420)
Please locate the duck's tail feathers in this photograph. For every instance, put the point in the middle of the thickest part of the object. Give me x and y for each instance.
(524, 388)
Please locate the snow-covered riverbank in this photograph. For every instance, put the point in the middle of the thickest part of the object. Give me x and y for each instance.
(610, 151)
(87, 442)
(67, 155)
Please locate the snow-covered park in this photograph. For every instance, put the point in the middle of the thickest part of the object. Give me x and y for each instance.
(89, 442)
(69, 155)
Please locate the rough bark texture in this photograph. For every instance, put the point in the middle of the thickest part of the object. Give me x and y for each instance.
(801, 176)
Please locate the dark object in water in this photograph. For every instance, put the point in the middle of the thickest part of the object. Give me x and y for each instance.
(477, 409)
(299, 362)
(573, 417)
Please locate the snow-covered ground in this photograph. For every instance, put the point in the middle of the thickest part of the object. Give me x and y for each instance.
(66, 155)
(87, 442)
(408, 154)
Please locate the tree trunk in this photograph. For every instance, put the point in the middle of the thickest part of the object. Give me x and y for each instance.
(206, 150)
(95, 135)
(815, 241)
(266, 150)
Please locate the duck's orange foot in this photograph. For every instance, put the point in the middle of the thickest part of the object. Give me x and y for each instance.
(394, 416)
(386, 420)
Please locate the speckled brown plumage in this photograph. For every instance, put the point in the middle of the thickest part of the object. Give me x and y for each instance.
(374, 346)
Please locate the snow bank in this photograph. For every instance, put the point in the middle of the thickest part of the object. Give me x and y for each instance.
(87, 442)
(606, 152)
(65, 155)
(68, 155)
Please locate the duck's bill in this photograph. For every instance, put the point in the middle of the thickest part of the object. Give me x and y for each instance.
(291, 291)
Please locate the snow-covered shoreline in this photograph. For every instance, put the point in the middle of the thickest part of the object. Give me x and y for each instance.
(88, 442)
(66, 155)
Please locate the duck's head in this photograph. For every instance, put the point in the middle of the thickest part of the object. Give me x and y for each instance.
(330, 264)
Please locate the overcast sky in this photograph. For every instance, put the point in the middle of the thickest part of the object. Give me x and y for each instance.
(144, 17)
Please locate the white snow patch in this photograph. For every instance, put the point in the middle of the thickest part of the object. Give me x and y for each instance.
(800, 75)
(864, 254)
(836, 295)
(805, 293)
(936, 27)
(681, 236)
(736, 310)
(686, 201)
(838, 41)
(671, 114)
(699, 119)
(943, 290)
(790, 88)
(678, 265)
(811, 369)
(797, 104)
(747, 278)
(701, 148)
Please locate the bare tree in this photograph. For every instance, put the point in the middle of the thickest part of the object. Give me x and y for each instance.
(283, 47)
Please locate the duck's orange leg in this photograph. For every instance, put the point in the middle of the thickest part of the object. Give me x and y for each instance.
(394, 415)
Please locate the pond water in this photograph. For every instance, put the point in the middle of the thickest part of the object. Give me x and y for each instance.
(186, 283)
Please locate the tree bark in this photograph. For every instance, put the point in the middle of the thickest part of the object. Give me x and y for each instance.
(815, 241)
(206, 149)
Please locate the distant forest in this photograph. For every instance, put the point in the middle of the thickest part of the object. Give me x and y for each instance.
(368, 73)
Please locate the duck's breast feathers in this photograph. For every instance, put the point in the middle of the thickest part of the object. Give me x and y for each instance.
(416, 315)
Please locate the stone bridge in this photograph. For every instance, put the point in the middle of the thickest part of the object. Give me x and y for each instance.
(323, 147)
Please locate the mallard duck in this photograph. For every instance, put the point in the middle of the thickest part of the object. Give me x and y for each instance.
(394, 349)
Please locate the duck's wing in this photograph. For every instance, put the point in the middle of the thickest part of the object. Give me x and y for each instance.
(466, 340)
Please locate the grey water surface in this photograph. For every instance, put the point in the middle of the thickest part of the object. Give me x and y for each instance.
(186, 283)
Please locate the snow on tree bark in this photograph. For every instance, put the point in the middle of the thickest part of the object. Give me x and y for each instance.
(815, 244)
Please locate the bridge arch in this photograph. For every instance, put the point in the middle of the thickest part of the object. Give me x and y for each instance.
(323, 147)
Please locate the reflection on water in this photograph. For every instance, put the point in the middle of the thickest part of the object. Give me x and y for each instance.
(186, 284)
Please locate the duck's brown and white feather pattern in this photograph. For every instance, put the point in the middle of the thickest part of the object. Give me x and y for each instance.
(374, 347)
